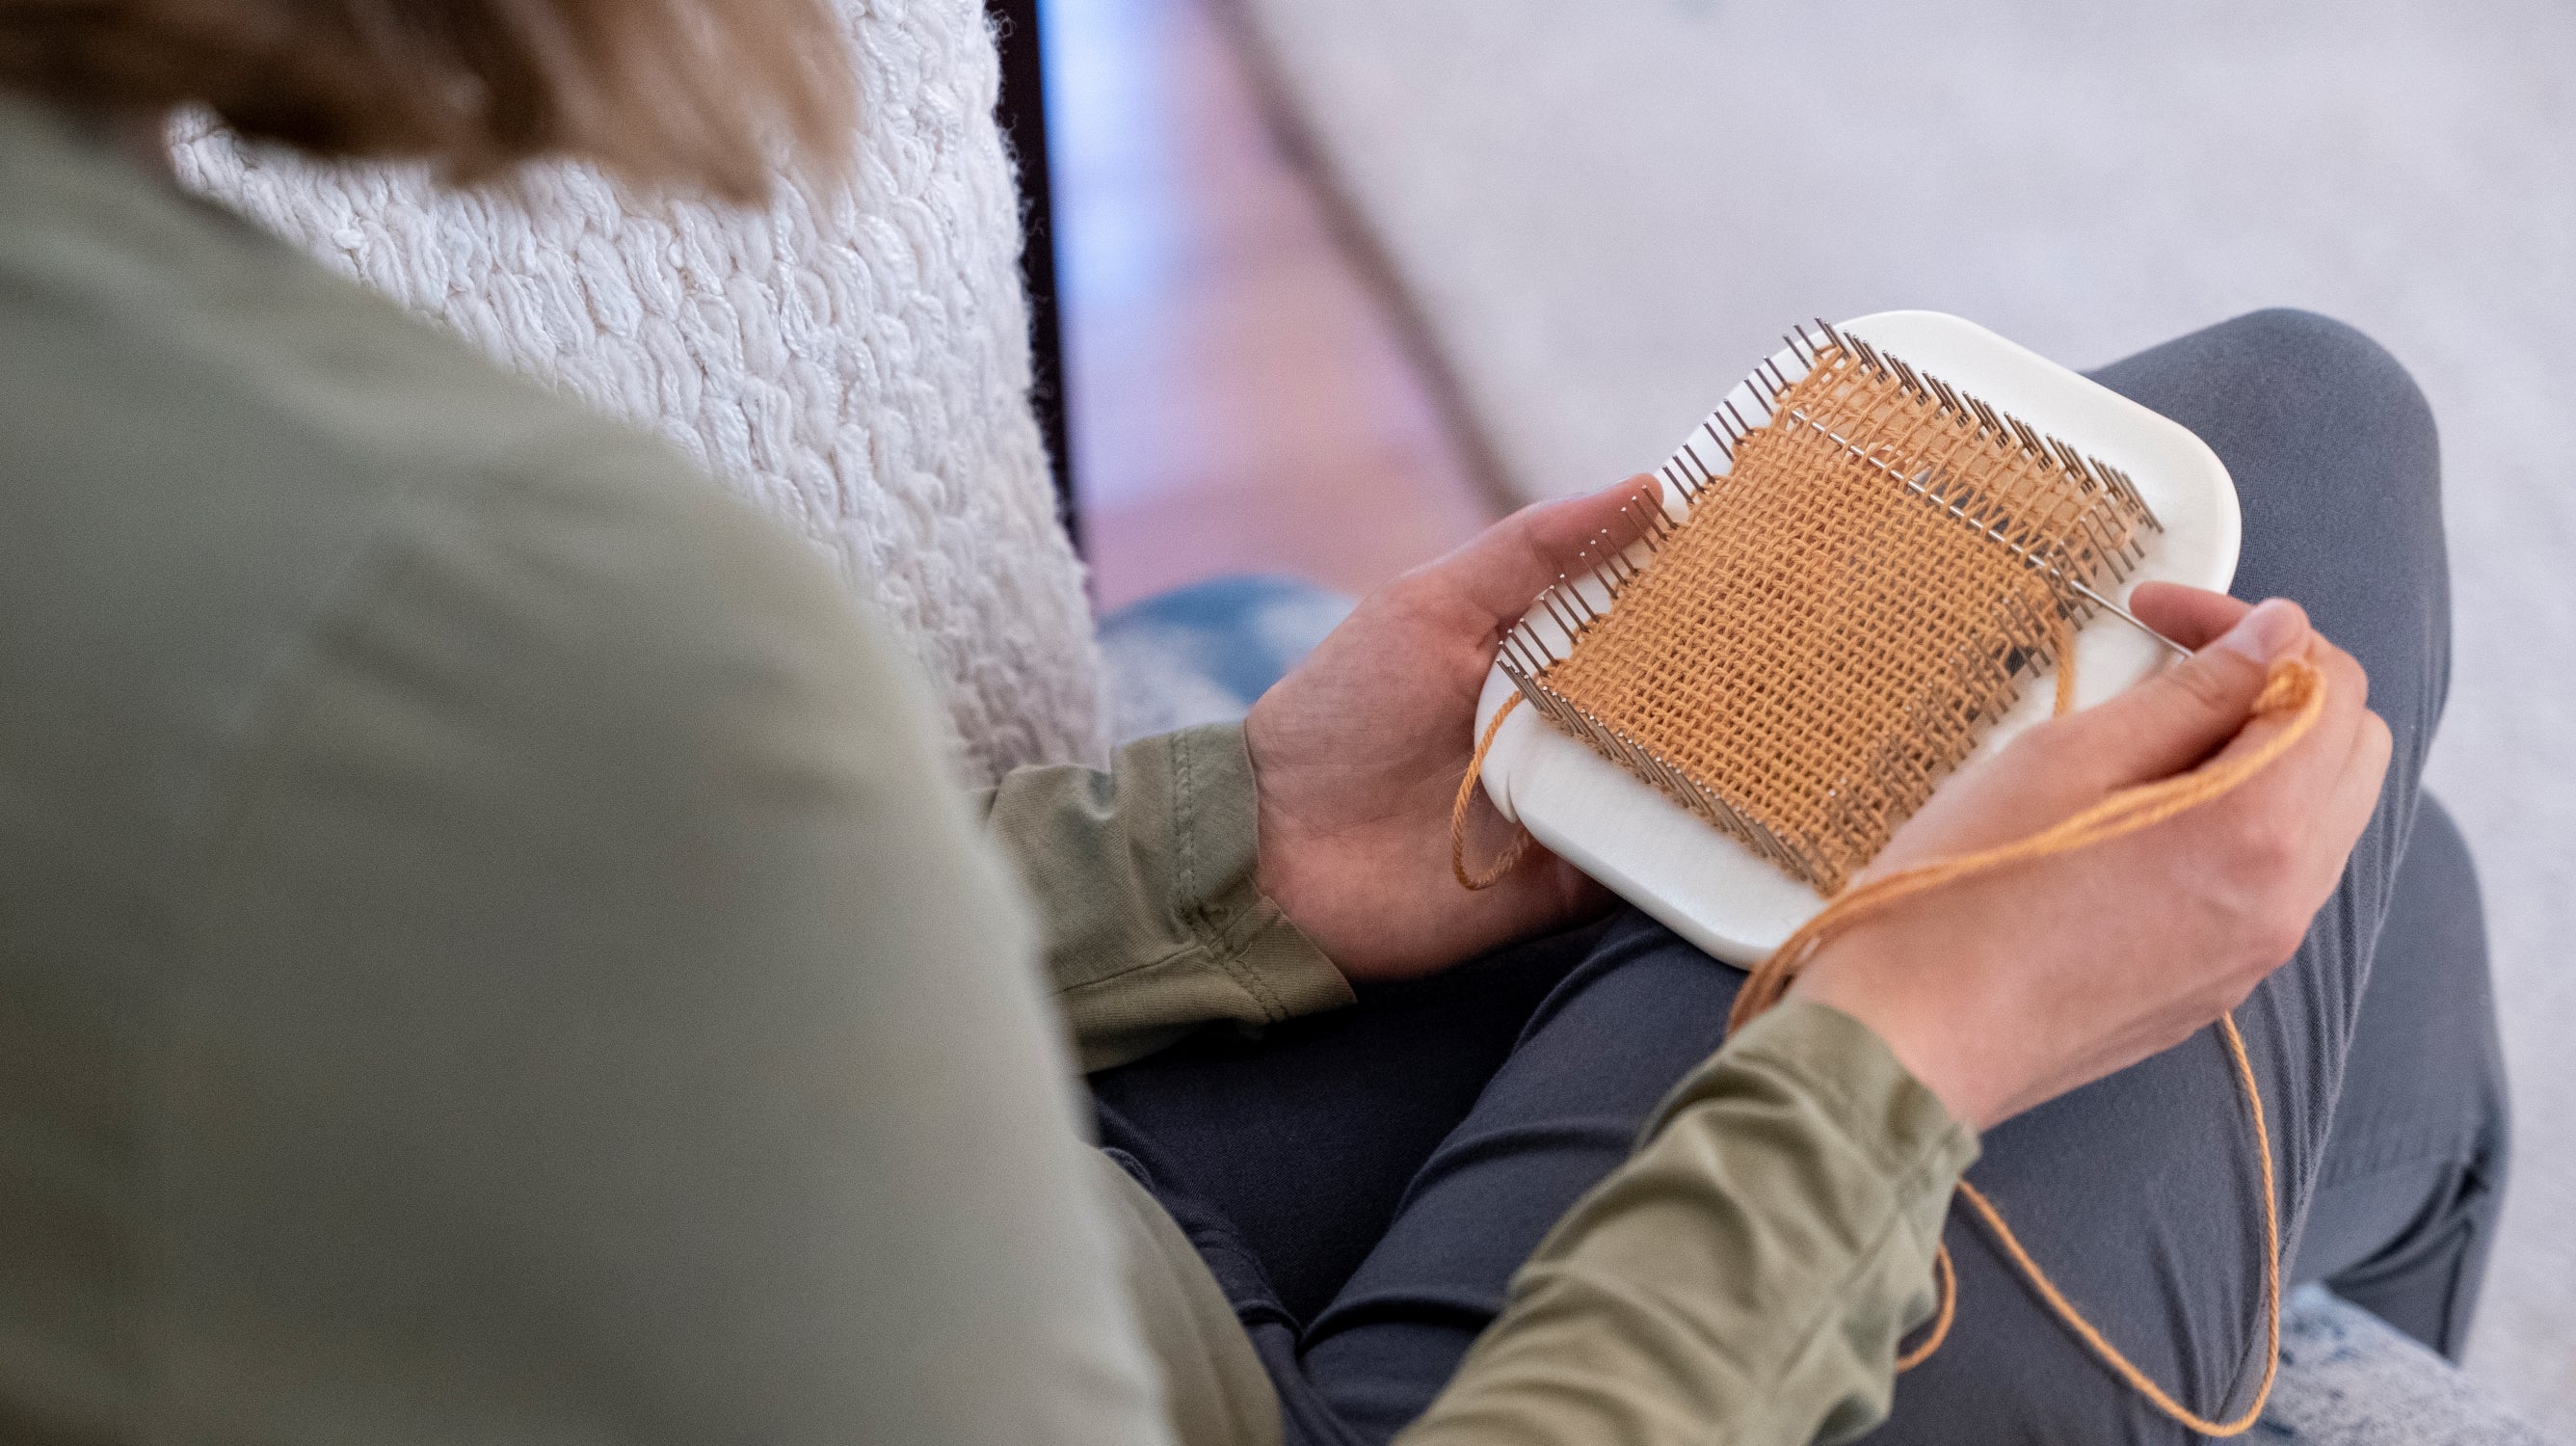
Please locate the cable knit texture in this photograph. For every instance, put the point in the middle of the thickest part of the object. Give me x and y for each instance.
(855, 359)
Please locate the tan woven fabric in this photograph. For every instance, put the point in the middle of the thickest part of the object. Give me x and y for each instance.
(1818, 642)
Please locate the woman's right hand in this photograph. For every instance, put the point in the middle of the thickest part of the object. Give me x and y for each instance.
(2002, 990)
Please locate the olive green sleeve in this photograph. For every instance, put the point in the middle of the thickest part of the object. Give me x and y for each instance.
(1747, 1275)
(1143, 878)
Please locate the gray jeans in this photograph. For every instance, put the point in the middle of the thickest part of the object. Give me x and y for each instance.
(1366, 1183)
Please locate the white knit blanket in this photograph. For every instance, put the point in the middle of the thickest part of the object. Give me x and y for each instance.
(857, 363)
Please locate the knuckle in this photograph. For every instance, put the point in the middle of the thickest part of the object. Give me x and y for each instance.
(2266, 851)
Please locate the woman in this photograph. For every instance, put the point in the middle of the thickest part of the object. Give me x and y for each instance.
(488, 951)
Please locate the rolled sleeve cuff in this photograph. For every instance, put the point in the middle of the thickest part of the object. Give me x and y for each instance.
(1858, 1088)
(1163, 926)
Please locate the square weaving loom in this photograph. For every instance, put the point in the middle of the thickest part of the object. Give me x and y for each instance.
(1859, 570)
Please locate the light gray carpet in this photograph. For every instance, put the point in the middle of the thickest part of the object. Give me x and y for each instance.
(1605, 212)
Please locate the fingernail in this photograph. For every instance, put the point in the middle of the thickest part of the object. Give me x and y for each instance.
(2265, 633)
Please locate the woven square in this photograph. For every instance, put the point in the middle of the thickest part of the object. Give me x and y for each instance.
(1818, 642)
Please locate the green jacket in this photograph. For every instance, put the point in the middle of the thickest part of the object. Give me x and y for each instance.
(487, 952)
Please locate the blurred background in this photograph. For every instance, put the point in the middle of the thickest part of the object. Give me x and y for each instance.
(1345, 279)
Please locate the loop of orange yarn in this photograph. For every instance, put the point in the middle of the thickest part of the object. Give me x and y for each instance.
(2295, 688)
(2101, 1346)
(1511, 859)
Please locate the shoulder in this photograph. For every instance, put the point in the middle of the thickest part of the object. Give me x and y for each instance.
(258, 506)
(592, 575)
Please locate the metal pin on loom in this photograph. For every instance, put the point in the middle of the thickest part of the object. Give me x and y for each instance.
(1575, 602)
(1653, 525)
(1610, 566)
(1567, 619)
(2129, 489)
(1566, 623)
(1626, 565)
(1988, 424)
(2072, 460)
(1522, 649)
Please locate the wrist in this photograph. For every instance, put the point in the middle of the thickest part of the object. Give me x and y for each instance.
(1931, 1035)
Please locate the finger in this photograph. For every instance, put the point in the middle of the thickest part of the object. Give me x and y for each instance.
(1511, 562)
(2299, 783)
(2178, 717)
(2316, 762)
(2191, 616)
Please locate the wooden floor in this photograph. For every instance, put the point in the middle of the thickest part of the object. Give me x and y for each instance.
(1240, 402)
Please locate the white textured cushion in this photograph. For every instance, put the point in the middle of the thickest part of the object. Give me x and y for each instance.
(856, 362)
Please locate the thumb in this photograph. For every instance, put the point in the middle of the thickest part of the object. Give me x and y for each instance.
(2180, 716)
(1511, 562)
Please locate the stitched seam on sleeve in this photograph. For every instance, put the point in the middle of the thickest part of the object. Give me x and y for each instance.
(1194, 907)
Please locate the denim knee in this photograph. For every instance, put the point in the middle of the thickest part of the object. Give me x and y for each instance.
(2337, 375)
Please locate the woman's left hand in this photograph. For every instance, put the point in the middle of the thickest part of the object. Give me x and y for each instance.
(1360, 750)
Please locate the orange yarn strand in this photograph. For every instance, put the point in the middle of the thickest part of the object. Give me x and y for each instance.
(2065, 668)
(1511, 859)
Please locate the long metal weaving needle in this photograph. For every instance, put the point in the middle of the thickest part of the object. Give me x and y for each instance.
(1919, 483)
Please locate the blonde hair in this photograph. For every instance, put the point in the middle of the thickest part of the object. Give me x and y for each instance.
(711, 94)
